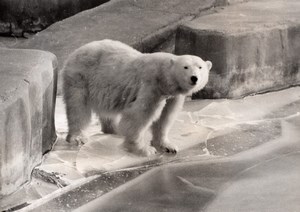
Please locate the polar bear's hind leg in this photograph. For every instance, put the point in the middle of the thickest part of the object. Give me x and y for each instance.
(78, 113)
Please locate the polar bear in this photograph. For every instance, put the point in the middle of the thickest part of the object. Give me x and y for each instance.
(129, 91)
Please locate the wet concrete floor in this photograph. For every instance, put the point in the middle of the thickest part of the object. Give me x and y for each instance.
(234, 155)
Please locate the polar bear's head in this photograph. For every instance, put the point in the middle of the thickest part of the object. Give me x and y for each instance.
(191, 73)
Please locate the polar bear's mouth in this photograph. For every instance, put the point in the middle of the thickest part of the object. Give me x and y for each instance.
(180, 89)
(184, 90)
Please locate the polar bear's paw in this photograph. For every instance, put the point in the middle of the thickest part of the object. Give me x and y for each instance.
(142, 151)
(147, 151)
(77, 139)
(167, 147)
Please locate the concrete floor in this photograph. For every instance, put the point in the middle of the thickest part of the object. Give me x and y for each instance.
(246, 148)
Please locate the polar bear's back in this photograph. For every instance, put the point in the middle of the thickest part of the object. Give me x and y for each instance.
(102, 69)
(111, 47)
(105, 57)
(104, 53)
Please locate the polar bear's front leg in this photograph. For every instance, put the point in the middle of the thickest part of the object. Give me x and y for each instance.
(162, 126)
(137, 119)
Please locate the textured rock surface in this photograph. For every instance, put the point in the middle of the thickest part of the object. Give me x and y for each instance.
(145, 24)
(19, 16)
(27, 100)
(254, 47)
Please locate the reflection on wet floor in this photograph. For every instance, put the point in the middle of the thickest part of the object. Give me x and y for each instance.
(220, 143)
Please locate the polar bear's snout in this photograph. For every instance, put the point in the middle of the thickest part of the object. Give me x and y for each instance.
(194, 80)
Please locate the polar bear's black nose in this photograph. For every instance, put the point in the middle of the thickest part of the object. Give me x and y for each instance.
(194, 79)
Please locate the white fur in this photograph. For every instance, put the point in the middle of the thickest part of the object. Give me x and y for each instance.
(141, 90)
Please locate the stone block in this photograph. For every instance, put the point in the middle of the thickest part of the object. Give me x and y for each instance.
(254, 47)
(27, 102)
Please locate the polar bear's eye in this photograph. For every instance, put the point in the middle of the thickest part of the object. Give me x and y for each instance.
(200, 67)
(185, 67)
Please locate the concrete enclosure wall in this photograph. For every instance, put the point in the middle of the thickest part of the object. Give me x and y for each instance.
(27, 102)
(19, 16)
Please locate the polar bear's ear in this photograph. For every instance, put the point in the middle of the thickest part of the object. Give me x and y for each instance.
(209, 64)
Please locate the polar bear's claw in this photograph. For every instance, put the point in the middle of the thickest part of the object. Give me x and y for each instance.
(169, 148)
